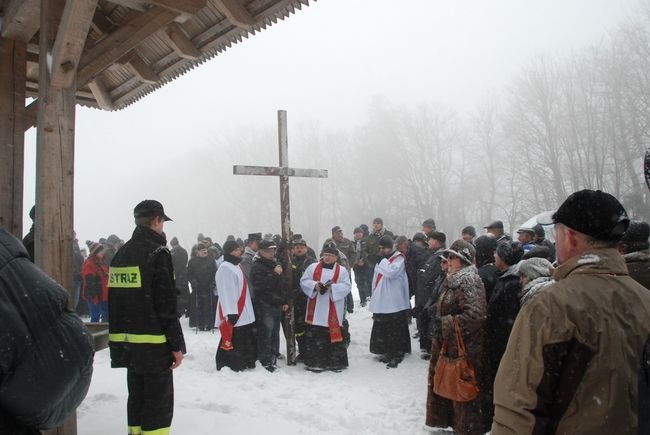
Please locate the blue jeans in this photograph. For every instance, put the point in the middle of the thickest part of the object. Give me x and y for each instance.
(268, 333)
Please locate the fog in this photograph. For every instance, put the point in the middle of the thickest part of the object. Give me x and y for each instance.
(465, 111)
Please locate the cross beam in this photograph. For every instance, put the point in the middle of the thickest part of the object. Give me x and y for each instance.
(284, 172)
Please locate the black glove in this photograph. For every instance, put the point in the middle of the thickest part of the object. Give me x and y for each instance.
(323, 289)
(232, 318)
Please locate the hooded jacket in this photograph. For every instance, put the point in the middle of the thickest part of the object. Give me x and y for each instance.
(47, 352)
(573, 362)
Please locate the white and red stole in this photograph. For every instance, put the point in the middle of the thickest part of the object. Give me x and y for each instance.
(225, 327)
(332, 318)
(392, 258)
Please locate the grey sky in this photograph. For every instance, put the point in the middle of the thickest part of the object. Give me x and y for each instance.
(324, 64)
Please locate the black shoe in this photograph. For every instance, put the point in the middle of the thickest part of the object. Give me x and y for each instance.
(425, 356)
(271, 368)
(280, 356)
(363, 303)
(314, 369)
(393, 363)
(383, 358)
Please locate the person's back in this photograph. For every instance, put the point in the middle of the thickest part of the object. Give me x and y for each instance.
(46, 360)
(576, 362)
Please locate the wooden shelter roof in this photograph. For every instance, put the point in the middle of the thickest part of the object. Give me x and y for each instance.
(136, 46)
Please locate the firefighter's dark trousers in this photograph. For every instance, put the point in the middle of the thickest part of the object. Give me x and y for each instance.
(150, 407)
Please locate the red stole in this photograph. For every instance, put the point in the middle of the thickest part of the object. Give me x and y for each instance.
(390, 260)
(225, 327)
(332, 318)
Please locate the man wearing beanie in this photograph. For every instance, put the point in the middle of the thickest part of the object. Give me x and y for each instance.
(372, 241)
(428, 226)
(300, 260)
(502, 310)
(634, 248)
(326, 284)
(145, 335)
(577, 357)
(235, 316)
(390, 306)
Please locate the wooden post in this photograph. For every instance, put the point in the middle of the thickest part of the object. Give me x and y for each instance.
(13, 64)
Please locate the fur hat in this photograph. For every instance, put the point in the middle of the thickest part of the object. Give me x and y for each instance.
(463, 250)
(533, 268)
(254, 236)
(94, 248)
(510, 252)
(591, 212)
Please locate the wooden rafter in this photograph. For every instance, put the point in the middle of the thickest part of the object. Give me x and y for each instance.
(101, 95)
(70, 40)
(143, 71)
(236, 13)
(178, 40)
(21, 20)
(121, 42)
(185, 8)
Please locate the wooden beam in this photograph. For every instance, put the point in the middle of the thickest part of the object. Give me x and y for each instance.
(143, 71)
(184, 8)
(70, 40)
(13, 63)
(101, 24)
(136, 5)
(235, 12)
(20, 20)
(122, 41)
(102, 96)
(181, 44)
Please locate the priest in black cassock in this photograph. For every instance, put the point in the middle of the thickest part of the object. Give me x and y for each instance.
(326, 284)
(390, 306)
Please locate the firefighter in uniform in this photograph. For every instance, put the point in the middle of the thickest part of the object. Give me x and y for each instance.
(145, 335)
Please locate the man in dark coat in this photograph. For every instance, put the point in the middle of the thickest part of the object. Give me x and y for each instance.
(502, 311)
(372, 242)
(299, 263)
(542, 241)
(634, 248)
(362, 272)
(496, 229)
(200, 273)
(485, 246)
(28, 240)
(270, 302)
(426, 277)
(46, 361)
(145, 335)
(179, 260)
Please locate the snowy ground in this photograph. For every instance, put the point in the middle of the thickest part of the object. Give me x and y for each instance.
(366, 398)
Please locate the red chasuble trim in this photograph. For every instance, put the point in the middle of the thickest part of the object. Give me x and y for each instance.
(336, 336)
(390, 260)
(225, 327)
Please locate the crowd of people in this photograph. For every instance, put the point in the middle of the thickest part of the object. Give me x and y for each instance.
(556, 335)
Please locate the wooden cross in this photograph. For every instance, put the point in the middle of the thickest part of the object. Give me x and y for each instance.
(284, 172)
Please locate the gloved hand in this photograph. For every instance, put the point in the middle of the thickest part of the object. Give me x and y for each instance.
(324, 288)
(232, 318)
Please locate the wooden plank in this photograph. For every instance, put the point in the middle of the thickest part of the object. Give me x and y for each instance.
(279, 171)
(143, 71)
(102, 24)
(235, 12)
(13, 55)
(30, 115)
(180, 43)
(20, 20)
(121, 42)
(184, 8)
(102, 96)
(70, 40)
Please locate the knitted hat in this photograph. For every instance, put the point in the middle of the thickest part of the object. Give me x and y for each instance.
(330, 248)
(463, 250)
(94, 248)
(591, 212)
(386, 242)
(510, 252)
(533, 268)
(469, 230)
(430, 223)
(378, 220)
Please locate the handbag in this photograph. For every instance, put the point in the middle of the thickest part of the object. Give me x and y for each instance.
(455, 378)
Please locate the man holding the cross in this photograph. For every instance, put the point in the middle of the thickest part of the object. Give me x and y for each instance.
(326, 285)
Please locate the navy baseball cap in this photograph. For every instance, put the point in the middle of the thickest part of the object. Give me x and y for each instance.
(150, 208)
